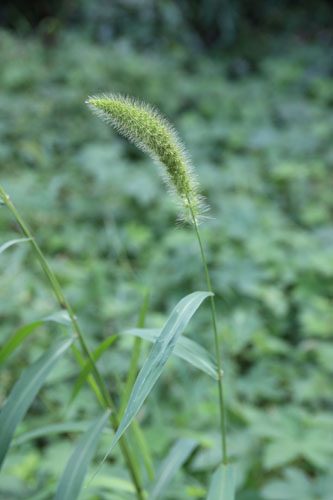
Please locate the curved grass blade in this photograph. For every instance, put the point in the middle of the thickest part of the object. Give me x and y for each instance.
(17, 338)
(157, 358)
(54, 429)
(13, 242)
(25, 391)
(141, 444)
(60, 317)
(222, 486)
(113, 484)
(174, 460)
(186, 348)
(89, 366)
(133, 368)
(144, 448)
(73, 475)
(100, 350)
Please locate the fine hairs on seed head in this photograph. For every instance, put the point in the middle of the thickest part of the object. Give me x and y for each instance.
(149, 131)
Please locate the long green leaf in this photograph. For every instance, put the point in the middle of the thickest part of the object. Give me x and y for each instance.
(174, 460)
(140, 444)
(133, 368)
(73, 475)
(144, 448)
(17, 338)
(186, 348)
(157, 358)
(25, 391)
(60, 317)
(13, 242)
(222, 486)
(49, 430)
(89, 366)
(113, 484)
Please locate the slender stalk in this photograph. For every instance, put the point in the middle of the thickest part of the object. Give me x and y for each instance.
(133, 368)
(102, 395)
(217, 343)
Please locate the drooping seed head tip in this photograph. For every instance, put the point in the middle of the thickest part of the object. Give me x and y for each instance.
(143, 125)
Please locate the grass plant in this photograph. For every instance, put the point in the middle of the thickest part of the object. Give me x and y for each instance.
(150, 132)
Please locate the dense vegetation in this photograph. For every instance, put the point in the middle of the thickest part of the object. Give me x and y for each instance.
(261, 140)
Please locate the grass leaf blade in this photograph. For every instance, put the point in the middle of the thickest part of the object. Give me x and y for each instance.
(144, 448)
(25, 391)
(16, 339)
(53, 429)
(222, 486)
(157, 358)
(89, 366)
(61, 317)
(73, 475)
(186, 349)
(13, 242)
(172, 463)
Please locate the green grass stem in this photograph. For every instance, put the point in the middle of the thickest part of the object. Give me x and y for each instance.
(102, 395)
(217, 345)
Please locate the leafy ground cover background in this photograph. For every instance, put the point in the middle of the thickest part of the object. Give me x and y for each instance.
(260, 137)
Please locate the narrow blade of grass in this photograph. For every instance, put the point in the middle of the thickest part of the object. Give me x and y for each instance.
(133, 369)
(25, 391)
(187, 349)
(157, 358)
(144, 448)
(16, 339)
(222, 486)
(76, 468)
(174, 460)
(61, 317)
(89, 366)
(141, 444)
(54, 429)
(113, 484)
(13, 242)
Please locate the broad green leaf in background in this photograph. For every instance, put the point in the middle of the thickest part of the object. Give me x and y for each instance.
(296, 484)
(73, 475)
(186, 348)
(172, 463)
(222, 486)
(13, 242)
(25, 391)
(158, 357)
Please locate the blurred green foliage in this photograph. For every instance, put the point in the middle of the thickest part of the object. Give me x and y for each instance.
(200, 26)
(261, 142)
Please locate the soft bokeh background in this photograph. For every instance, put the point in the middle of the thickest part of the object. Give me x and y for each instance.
(249, 87)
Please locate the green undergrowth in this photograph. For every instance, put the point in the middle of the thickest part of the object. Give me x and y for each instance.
(261, 143)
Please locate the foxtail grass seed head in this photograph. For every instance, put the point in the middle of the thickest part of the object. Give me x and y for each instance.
(143, 126)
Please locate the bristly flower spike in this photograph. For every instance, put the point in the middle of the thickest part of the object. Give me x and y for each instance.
(143, 126)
